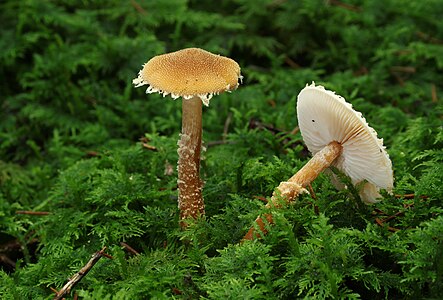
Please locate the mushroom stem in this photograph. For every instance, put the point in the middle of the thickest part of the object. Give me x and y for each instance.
(320, 161)
(289, 190)
(190, 200)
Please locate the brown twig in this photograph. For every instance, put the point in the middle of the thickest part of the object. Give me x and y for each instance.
(404, 52)
(255, 124)
(410, 196)
(399, 79)
(226, 127)
(380, 223)
(426, 37)
(129, 248)
(345, 5)
(271, 103)
(311, 192)
(392, 217)
(107, 255)
(92, 153)
(145, 144)
(252, 233)
(149, 147)
(378, 211)
(138, 7)
(295, 130)
(276, 3)
(387, 219)
(34, 213)
(403, 69)
(397, 72)
(434, 93)
(405, 196)
(176, 291)
(314, 196)
(66, 289)
(261, 198)
(291, 63)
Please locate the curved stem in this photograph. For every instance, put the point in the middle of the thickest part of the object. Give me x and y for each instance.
(190, 200)
(289, 190)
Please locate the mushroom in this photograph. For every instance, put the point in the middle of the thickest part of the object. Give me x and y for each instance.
(338, 136)
(195, 75)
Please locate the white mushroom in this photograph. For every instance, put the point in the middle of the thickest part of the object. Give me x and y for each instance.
(323, 118)
(195, 75)
(339, 136)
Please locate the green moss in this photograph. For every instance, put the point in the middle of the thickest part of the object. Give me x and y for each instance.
(79, 142)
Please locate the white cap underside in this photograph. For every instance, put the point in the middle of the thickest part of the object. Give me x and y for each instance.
(324, 117)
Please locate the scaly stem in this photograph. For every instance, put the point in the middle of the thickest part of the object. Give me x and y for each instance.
(190, 200)
(289, 190)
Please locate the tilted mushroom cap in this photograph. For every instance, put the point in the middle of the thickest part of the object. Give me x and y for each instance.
(324, 117)
(188, 73)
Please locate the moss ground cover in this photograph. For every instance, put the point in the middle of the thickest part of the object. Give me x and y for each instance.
(97, 158)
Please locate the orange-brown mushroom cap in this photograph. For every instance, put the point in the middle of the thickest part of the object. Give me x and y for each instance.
(188, 73)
